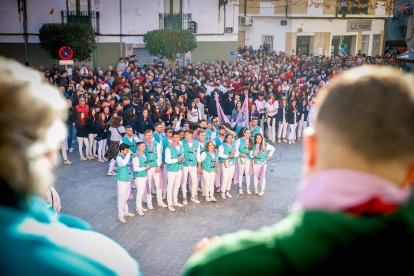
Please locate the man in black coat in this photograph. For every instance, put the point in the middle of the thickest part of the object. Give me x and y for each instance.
(228, 104)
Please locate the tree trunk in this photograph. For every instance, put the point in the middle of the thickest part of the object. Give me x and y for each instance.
(172, 65)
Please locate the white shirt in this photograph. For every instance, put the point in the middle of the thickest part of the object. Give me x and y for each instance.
(271, 109)
(222, 155)
(135, 163)
(261, 106)
(123, 162)
(168, 158)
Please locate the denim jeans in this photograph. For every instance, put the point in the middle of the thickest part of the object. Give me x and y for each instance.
(71, 134)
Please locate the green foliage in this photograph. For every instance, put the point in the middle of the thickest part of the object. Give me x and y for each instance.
(80, 37)
(168, 43)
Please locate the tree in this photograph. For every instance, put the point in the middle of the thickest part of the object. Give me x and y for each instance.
(168, 43)
(80, 37)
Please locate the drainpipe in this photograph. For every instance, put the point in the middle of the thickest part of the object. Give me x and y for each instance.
(245, 7)
(25, 35)
(120, 29)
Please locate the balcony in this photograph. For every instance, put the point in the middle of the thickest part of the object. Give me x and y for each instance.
(82, 17)
(175, 21)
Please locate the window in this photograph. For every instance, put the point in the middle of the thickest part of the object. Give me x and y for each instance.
(267, 42)
(376, 45)
(365, 44)
(79, 5)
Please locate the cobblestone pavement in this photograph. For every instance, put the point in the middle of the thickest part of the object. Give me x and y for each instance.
(161, 240)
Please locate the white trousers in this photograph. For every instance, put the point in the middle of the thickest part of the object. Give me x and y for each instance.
(281, 132)
(301, 126)
(271, 129)
(124, 188)
(101, 148)
(261, 121)
(192, 171)
(244, 168)
(81, 141)
(174, 182)
(292, 132)
(63, 149)
(153, 176)
(209, 179)
(92, 144)
(257, 168)
(140, 183)
(226, 177)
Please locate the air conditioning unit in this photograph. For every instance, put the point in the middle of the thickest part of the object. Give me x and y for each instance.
(245, 20)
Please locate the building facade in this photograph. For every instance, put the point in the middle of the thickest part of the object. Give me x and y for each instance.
(325, 27)
(120, 26)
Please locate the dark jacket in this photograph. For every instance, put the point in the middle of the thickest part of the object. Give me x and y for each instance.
(290, 116)
(279, 115)
(81, 129)
(228, 105)
(102, 131)
(142, 125)
(91, 125)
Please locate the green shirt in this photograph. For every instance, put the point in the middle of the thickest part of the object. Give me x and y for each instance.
(227, 150)
(174, 155)
(151, 154)
(209, 163)
(36, 241)
(131, 143)
(190, 154)
(314, 243)
(124, 172)
(143, 162)
(244, 148)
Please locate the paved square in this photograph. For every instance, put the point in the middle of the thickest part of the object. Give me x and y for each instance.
(162, 241)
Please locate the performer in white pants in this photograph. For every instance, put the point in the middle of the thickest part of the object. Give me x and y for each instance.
(261, 107)
(271, 110)
(190, 167)
(201, 148)
(174, 158)
(292, 118)
(123, 177)
(261, 154)
(304, 111)
(153, 153)
(208, 166)
(141, 167)
(281, 120)
(64, 150)
(244, 146)
(228, 154)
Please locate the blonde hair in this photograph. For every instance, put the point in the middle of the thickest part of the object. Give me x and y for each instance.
(371, 110)
(32, 115)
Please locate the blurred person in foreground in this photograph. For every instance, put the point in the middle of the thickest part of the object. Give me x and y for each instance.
(354, 211)
(35, 240)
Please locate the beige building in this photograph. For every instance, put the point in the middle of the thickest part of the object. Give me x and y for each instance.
(333, 27)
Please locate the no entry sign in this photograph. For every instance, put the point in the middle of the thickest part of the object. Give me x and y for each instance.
(65, 53)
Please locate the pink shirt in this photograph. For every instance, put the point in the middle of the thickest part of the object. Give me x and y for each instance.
(340, 189)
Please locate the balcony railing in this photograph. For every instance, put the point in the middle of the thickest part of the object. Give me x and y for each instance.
(175, 21)
(82, 17)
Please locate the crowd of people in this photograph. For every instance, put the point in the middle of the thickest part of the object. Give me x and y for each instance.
(215, 122)
(354, 210)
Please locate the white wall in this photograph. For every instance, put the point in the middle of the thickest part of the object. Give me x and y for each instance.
(267, 26)
(138, 17)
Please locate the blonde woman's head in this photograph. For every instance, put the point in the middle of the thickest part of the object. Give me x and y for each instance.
(32, 115)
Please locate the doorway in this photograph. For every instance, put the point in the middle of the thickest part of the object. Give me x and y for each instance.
(303, 44)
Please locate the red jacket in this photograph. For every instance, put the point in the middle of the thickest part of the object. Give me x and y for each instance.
(84, 109)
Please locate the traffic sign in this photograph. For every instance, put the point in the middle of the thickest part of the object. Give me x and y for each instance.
(66, 53)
